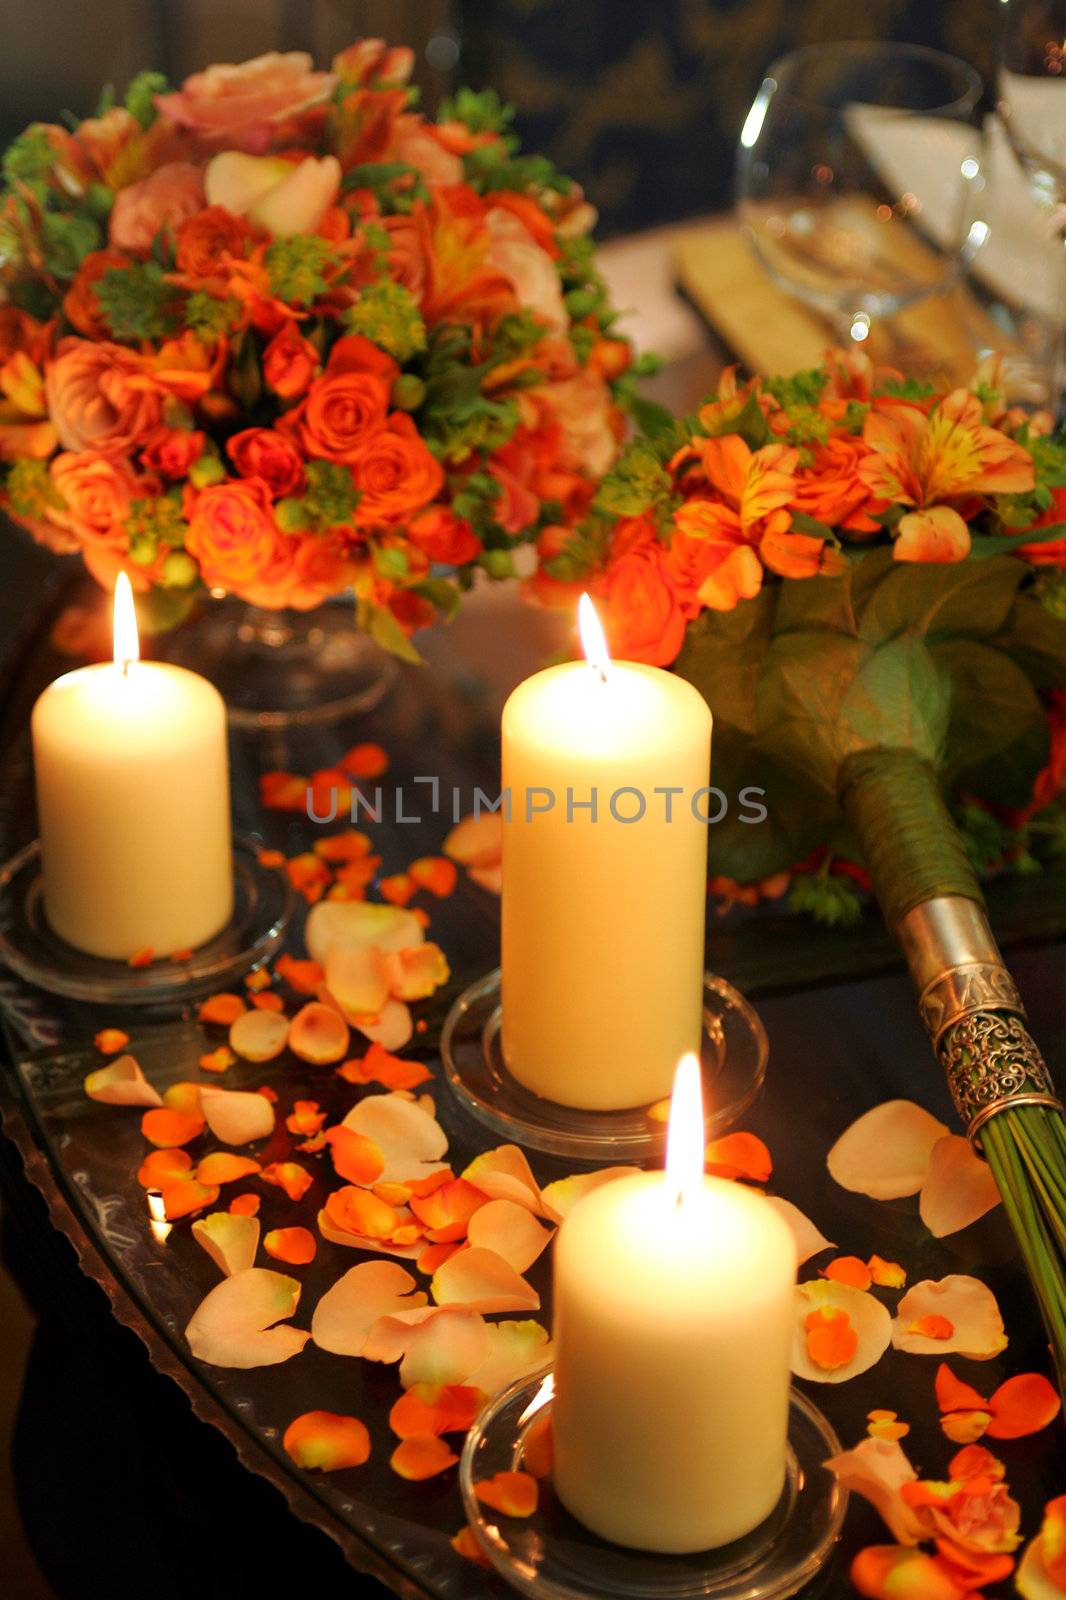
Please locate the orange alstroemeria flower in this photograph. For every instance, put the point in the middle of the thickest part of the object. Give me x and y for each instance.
(924, 461)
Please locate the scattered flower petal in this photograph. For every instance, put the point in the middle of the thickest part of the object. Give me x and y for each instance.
(186, 1196)
(538, 1446)
(510, 1231)
(446, 1211)
(958, 1187)
(378, 1066)
(245, 1205)
(886, 1425)
(515, 1349)
(901, 1572)
(435, 873)
(480, 1280)
(235, 1324)
(810, 1241)
(559, 1198)
(421, 1456)
(319, 1035)
(446, 1349)
(958, 1314)
(345, 1314)
(323, 1441)
(476, 841)
(1023, 1405)
(223, 1009)
(410, 1139)
(303, 976)
(223, 1167)
(218, 1061)
(122, 1083)
(306, 1117)
(258, 1035)
(229, 1239)
(166, 1128)
(739, 1155)
(423, 1409)
(877, 1469)
(885, 1154)
(163, 1167)
(236, 1116)
(109, 1041)
(512, 1494)
(465, 1544)
(289, 1176)
(848, 1269)
(869, 1320)
(295, 1246)
(365, 761)
(886, 1274)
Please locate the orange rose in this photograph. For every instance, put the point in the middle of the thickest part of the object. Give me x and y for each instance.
(831, 490)
(442, 536)
(80, 304)
(347, 403)
(234, 538)
(394, 472)
(172, 451)
(262, 453)
(289, 363)
(96, 398)
(204, 240)
(321, 567)
(158, 204)
(641, 614)
(97, 494)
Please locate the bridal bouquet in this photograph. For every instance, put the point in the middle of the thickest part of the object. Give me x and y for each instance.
(841, 559)
(277, 334)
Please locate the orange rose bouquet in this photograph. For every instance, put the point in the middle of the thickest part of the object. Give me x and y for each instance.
(277, 334)
(863, 578)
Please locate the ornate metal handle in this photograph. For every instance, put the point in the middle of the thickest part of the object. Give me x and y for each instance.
(973, 1013)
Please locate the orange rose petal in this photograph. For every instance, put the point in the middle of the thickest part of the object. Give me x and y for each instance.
(465, 1544)
(406, 1132)
(111, 1040)
(283, 791)
(245, 1205)
(166, 1129)
(221, 1166)
(268, 1092)
(954, 1395)
(289, 1176)
(181, 956)
(305, 1117)
(271, 859)
(184, 1097)
(341, 847)
(886, 1274)
(218, 1061)
(303, 976)
(122, 1083)
(901, 1572)
(435, 873)
(538, 1447)
(739, 1155)
(434, 1256)
(237, 1116)
(505, 1174)
(964, 1427)
(141, 958)
(365, 761)
(355, 1210)
(393, 1194)
(259, 1035)
(480, 1280)
(258, 979)
(223, 1009)
(313, 1146)
(163, 1167)
(447, 1211)
(184, 1196)
(397, 889)
(356, 875)
(319, 1035)
(513, 1494)
(831, 1340)
(268, 1001)
(323, 1441)
(355, 1157)
(421, 1456)
(378, 1066)
(886, 1425)
(848, 1269)
(309, 875)
(431, 1182)
(296, 1246)
(425, 1409)
(932, 1327)
(1022, 1405)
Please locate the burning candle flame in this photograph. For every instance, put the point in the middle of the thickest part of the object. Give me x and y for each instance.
(685, 1132)
(127, 644)
(593, 638)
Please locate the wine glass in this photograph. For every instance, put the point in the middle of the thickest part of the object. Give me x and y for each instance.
(853, 176)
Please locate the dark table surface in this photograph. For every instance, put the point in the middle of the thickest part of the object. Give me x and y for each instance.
(127, 1493)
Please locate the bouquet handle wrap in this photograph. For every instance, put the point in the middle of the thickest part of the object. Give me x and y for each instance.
(969, 1005)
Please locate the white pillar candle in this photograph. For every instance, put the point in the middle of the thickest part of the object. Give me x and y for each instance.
(603, 911)
(133, 803)
(673, 1330)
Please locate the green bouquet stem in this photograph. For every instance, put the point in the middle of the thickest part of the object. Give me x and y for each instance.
(925, 884)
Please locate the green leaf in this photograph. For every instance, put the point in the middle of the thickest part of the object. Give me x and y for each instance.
(998, 738)
(749, 423)
(830, 898)
(140, 96)
(972, 598)
(723, 656)
(383, 627)
(68, 239)
(440, 593)
(137, 302)
(481, 110)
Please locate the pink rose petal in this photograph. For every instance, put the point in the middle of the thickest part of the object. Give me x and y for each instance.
(357, 1241)
(515, 1349)
(810, 1241)
(234, 1325)
(122, 1083)
(345, 1314)
(445, 1349)
(877, 1469)
(885, 1154)
(958, 1188)
(480, 1280)
(231, 1240)
(970, 1307)
(504, 1174)
(511, 1231)
(236, 1116)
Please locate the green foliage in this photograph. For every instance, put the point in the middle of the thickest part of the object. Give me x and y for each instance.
(154, 521)
(394, 184)
(67, 239)
(388, 313)
(381, 625)
(30, 489)
(296, 268)
(493, 166)
(29, 158)
(832, 899)
(329, 500)
(803, 389)
(136, 301)
(140, 96)
(639, 483)
(482, 110)
(210, 317)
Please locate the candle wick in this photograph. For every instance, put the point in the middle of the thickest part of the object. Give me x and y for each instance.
(125, 667)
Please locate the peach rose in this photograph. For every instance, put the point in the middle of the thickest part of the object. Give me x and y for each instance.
(245, 107)
(262, 453)
(234, 538)
(158, 204)
(97, 495)
(530, 270)
(394, 472)
(582, 407)
(97, 397)
(641, 613)
(416, 143)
